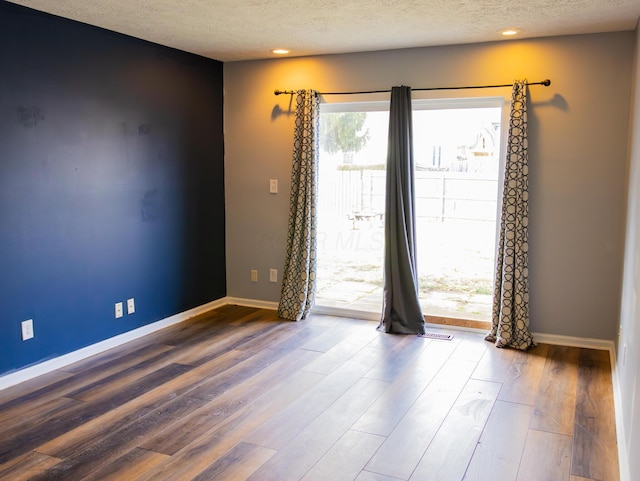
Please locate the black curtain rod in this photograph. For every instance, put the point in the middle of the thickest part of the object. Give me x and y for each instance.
(546, 83)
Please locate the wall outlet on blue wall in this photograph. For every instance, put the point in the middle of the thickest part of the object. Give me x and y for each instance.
(27, 329)
(131, 306)
(118, 310)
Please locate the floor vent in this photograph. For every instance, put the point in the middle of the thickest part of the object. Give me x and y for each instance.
(437, 335)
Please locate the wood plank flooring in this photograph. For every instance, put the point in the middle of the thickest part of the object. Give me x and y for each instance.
(240, 395)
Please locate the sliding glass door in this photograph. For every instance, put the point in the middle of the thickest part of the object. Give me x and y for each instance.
(457, 157)
(351, 176)
(457, 154)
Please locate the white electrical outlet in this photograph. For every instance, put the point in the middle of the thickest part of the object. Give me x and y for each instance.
(273, 275)
(254, 275)
(27, 329)
(273, 186)
(119, 311)
(131, 306)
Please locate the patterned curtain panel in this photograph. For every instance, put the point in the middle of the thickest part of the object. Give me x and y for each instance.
(299, 277)
(510, 323)
(401, 306)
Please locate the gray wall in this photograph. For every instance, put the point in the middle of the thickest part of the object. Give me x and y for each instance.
(578, 158)
(628, 365)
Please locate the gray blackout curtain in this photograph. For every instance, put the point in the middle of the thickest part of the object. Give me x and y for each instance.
(401, 308)
(299, 276)
(510, 320)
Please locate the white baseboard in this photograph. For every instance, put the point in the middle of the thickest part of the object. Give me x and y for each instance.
(239, 301)
(44, 367)
(623, 455)
(602, 344)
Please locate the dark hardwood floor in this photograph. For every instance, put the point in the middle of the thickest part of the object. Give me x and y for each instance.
(241, 395)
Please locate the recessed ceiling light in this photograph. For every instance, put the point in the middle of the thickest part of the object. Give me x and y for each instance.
(510, 32)
(280, 51)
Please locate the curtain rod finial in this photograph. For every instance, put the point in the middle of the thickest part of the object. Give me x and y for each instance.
(546, 82)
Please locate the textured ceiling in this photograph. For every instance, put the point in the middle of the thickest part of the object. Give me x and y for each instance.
(230, 30)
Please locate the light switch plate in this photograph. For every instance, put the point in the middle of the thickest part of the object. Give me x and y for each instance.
(131, 306)
(273, 186)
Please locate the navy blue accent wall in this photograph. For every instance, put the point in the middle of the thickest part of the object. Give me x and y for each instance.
(111, 183)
